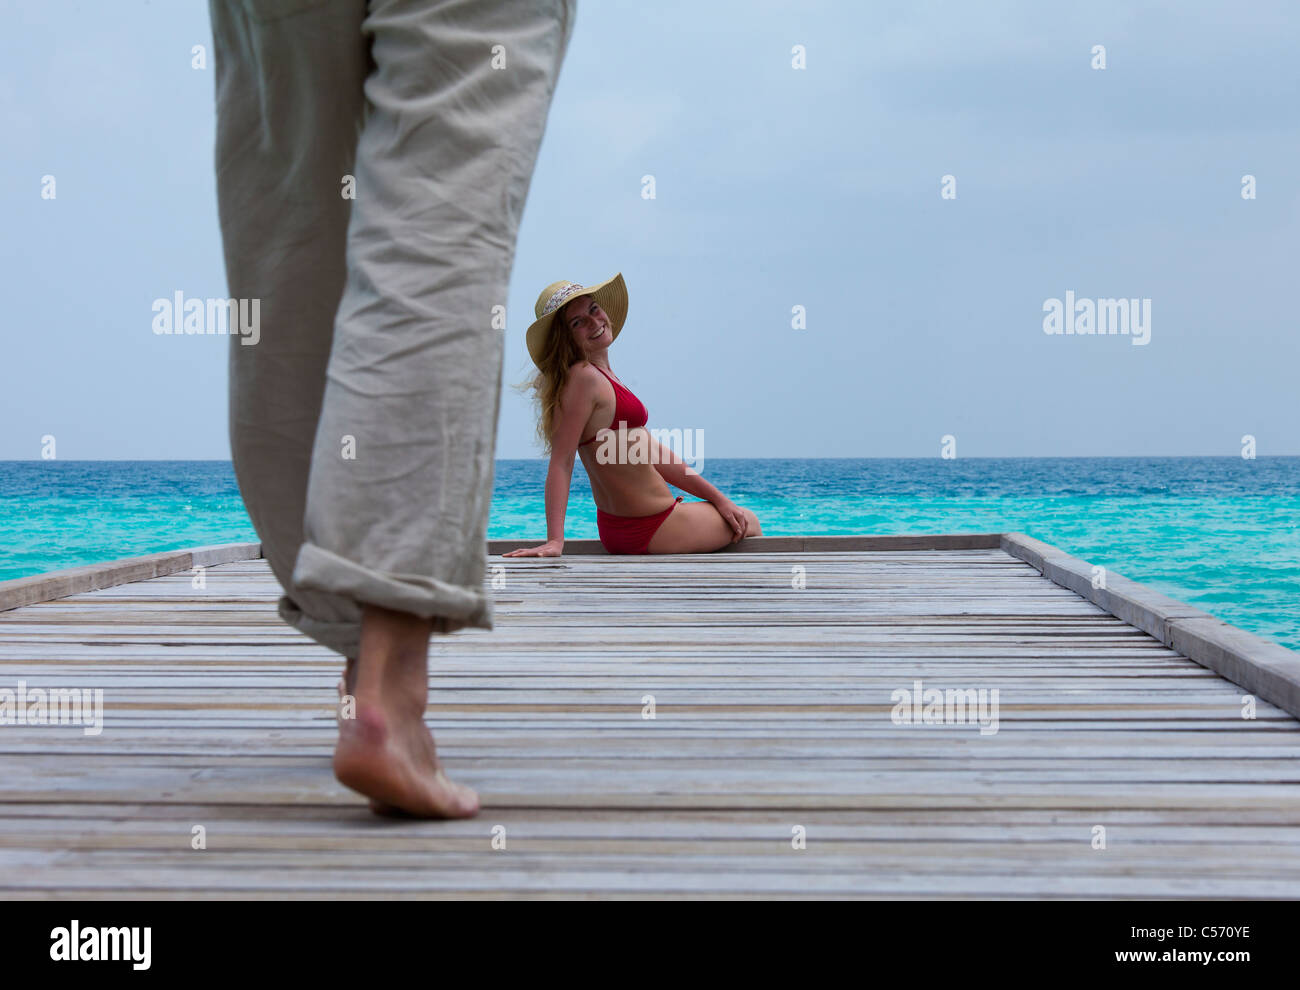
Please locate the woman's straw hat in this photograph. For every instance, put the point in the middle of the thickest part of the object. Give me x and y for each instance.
(610, 294)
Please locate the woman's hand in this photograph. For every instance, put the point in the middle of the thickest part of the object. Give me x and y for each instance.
(737, 520)
(551, 548)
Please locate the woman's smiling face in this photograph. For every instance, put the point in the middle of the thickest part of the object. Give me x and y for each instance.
(588, 323)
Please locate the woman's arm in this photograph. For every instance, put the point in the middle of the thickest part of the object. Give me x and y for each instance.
(574, 410)
(559, 475)
(674, 471)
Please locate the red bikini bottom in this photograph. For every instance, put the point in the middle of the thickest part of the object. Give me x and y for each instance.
(629, 534)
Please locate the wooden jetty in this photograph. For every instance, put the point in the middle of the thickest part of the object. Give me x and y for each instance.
(1142, 748)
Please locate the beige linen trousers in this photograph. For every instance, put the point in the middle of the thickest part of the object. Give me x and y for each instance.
(363, 420)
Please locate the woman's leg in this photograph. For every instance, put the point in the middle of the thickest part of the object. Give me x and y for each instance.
(697, 527)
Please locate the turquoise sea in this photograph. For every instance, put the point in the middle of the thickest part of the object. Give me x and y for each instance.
(1222, 533)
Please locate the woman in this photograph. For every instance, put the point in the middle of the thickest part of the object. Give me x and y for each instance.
(582, 407)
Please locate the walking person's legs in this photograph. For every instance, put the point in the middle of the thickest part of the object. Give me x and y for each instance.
(402, 465)
(289, 98)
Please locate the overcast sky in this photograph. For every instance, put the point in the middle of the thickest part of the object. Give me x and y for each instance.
(776, 188)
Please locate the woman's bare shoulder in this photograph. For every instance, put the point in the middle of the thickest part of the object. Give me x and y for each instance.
(581, 373)
(583, 380)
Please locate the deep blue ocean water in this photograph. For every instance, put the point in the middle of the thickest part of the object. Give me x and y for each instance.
(1222, 533)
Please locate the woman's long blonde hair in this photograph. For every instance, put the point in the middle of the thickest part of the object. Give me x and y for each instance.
(560, 352)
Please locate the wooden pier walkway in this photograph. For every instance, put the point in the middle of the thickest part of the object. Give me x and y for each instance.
(775, 764)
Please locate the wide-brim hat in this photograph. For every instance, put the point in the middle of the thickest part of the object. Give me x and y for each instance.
(611, 295)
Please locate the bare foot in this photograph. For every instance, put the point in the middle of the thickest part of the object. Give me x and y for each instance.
(392, 760)
(346, 685)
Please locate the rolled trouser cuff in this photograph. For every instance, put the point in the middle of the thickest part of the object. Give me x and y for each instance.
(453, 607)
(343, 637)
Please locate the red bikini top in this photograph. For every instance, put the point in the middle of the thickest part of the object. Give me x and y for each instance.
(627, 408)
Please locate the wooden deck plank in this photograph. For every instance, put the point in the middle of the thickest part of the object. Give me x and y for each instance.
(772, 710)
